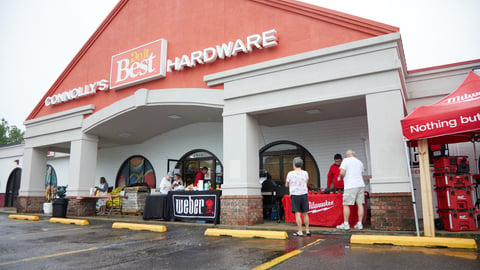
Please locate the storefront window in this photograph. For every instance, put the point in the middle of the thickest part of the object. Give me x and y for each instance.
(192, 162)
(276, 159)
(136, 171)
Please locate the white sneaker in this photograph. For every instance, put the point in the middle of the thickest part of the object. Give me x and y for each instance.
(358, 226)
(343, 226)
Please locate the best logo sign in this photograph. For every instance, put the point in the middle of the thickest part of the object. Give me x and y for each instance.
(141, 64)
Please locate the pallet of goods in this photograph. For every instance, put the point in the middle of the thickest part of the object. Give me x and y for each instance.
(136, 200)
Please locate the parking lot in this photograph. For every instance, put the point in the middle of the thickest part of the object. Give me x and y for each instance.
(46, 245)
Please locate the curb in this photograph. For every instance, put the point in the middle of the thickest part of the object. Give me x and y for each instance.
(24, 217)
(246, 233)
(139, 227)
(81, 222)
(414, 241)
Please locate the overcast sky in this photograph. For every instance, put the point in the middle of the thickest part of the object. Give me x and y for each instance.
(40, 38)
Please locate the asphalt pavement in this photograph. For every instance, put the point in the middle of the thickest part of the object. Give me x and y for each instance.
(45, 245)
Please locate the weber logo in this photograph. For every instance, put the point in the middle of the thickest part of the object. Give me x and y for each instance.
(199, 206)
(138, 65)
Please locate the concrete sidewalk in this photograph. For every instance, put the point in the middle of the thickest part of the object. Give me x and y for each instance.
(267, 225)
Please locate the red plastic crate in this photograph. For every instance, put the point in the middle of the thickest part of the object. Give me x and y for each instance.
(454, 198)
(451, 165)
(444, 170)
(454, 220)
(452, 180)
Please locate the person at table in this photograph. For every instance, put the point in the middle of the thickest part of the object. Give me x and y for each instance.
(177, 183)
(200, 176)
(332, 177)
(297, 183)
(351, 171)
(103, 189)
(166, 184)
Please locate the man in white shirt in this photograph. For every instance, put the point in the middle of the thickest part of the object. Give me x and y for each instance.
(166, 184)
(351, 171)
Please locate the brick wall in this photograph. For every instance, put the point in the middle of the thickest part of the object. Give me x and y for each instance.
(392, 211)
(78, 207)
(30, 204)
(241, 210)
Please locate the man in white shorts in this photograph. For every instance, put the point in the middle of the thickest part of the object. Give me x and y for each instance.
(351, 171)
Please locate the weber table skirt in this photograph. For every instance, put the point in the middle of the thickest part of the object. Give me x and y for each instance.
(184, 205)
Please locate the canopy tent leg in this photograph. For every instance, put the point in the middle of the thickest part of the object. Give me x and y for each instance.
(426, 188)
(414, 203)
(477, 164)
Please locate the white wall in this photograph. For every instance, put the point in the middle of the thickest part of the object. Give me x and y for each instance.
(61, 167)
(170, 145)
(324, 139)
(7, 155)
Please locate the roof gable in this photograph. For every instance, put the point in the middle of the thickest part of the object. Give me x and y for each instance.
(190, 26)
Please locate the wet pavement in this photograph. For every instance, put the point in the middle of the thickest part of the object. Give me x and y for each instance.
(45, 245)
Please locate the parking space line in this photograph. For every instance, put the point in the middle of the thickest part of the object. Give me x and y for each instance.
(285, 257)
(48, 256)
(73, 251)
(21, 222)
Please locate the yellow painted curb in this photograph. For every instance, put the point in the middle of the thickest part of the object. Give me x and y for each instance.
(247, 233)
(24, 217)
(422, 241)
(81, 222)
(139, 227)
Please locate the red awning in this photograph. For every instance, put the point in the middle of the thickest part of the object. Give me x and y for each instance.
(456, 118)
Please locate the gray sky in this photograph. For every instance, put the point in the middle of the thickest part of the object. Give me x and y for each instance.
(40, 38)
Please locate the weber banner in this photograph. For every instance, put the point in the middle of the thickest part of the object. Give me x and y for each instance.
(196, 205)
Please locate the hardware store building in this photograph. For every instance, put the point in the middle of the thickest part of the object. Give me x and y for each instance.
(235, 85)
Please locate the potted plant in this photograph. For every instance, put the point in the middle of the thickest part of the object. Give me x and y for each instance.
(60, 204)
(50, 192)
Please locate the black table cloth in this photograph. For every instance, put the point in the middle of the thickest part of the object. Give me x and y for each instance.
(184, 205)
(156, 207)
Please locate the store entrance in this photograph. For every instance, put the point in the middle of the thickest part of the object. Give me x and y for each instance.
(191, 164)
(13, 185)
(276, 159)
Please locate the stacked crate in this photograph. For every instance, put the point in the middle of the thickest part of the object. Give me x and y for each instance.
(454, 193)
(135, 202)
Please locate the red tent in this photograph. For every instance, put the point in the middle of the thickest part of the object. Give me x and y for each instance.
(453, 119)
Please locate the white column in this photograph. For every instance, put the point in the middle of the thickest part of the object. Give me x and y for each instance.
(240, 155)
(83, 165)
(388, 160)
(33, 172)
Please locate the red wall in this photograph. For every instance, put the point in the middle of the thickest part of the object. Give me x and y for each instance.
(195, 25)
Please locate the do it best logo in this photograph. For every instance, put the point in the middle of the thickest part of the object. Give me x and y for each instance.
(141, 64)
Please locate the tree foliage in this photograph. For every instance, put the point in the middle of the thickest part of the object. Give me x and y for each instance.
(10, 134)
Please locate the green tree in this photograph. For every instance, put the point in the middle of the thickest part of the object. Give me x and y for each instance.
(10, 134)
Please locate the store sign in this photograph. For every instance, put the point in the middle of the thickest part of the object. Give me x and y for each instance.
(149, 62)
(315, 207)
(201, 206)
(141, 64)
(75, 93)
(265, 40)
